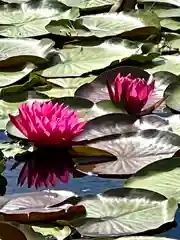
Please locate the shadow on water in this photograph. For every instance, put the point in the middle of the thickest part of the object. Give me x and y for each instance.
(83, 186)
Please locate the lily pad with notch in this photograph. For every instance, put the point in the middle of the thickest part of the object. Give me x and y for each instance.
(134, 150)
(38, 206)
(120, 212)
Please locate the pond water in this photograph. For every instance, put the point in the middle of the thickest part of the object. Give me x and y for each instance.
(83, 186)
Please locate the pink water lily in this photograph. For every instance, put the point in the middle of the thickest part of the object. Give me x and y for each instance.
(52, 127)
(134, 91)
(48, 123)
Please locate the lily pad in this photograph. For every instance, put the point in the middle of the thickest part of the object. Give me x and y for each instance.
(30, 19)
(9, 77)
(57, 232)
(173, 96)
(101, 108)
(85, 4)
(57, 92)
(161, 176)
(173, 2)
(83, 59)
(97, 24)
(21, 51)
(134, 151)
(35, 206)
(70, 83)
(120, 212)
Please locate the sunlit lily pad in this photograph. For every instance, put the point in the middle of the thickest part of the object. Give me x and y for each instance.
(97, 24)
(173, 96)
(9, 77)
(120, 212)
(173, 2)
(135, 150)
(30, 19)
(69, 83)
(21, 51)
(161, 176)
(85, 4)
(37, 206)
(83, 59)
(50, 230)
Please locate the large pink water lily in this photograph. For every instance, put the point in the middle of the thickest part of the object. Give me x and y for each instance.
(51, 127)
(134, 91)
(48, 123)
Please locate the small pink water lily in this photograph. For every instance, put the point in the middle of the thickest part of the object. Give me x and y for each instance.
(135, 91)
(48, 123)
(51, 127)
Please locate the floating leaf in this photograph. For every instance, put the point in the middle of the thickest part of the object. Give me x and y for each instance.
(83, 59)
(97, 24)
(57, 232)
(167, 13)
(58, 92)
(9, 77)
(170, 62)
(170, 24)
(21, 51)
(30, 19)
(135, 150)
(70, 83)
(36, 206)
(120, 212)
(161, 176)
(84, 4)
(173, 96)
(102, 108)
(173, 2)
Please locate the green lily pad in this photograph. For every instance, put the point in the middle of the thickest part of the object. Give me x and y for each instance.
(9, 77)
(69, 83)
(170, 24)
(102, 108)
(57, 232)
(30, 19)
(164, 63)
(172, 94)
(21, 51)
(173, 2)
(97, 24)
(58, 92)
(7, 108)
(161, 176)
(83, 59)
(134, 150)
(85, 4)
(120, 212)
